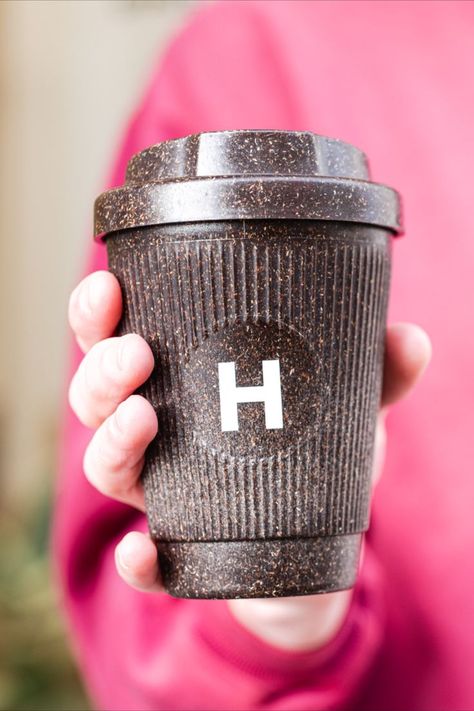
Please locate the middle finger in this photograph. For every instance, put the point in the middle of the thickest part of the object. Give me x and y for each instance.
(111, 371)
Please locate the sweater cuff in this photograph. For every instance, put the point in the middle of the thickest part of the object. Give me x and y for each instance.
(347, 655)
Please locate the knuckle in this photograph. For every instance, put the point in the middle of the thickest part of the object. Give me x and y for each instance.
(109, 465)
(100, 470)
(78, 403)
(100, 379)
(110, 459)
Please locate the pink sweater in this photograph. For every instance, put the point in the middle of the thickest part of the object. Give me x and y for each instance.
(397, 80)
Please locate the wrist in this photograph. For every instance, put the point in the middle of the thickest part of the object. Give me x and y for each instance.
(294, 623)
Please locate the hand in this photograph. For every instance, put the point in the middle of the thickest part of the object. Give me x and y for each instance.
(101, 395)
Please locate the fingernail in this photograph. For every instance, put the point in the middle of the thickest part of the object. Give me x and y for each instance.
(120, 560)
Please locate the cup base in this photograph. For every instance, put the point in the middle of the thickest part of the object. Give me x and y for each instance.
(259, 568)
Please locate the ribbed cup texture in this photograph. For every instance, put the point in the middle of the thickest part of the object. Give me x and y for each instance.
(211, 292)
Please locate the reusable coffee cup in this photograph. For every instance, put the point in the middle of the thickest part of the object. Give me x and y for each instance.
(256, 264)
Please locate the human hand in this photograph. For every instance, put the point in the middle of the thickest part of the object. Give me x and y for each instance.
(101, 395)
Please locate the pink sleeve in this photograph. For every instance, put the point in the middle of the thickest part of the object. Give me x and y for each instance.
(142, 651)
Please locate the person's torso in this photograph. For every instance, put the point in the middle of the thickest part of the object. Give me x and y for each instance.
(397, 80)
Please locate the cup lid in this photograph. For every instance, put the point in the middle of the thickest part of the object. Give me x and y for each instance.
(231, 175)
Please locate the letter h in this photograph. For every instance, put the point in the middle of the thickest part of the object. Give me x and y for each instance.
(269, 393)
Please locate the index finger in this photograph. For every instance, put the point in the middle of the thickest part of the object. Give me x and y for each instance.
(95, 308)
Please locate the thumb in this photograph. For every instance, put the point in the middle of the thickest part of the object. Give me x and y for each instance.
(407, 354)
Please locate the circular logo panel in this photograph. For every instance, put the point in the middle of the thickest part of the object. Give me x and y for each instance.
(253, 390)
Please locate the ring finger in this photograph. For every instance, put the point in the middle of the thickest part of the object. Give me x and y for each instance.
(111, 371)
(114, 458)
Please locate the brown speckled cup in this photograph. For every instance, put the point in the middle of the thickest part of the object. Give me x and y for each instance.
(256, 264)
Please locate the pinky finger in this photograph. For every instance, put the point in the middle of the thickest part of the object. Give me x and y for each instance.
(136, 559)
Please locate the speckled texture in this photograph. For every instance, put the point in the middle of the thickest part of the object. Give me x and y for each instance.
(311, 294)
(247, 175)
(258, 512)
(273, 568)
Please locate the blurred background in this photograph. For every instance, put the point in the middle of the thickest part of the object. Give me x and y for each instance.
(70, 72)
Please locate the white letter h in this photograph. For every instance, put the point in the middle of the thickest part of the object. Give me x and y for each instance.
(269, 393)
